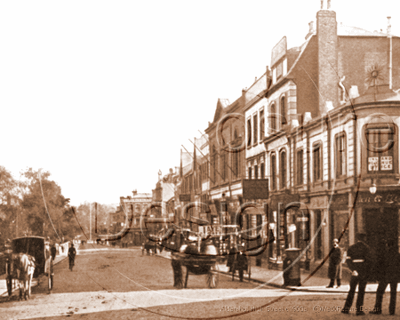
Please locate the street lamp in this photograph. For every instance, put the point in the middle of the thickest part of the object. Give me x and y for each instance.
(372, 188)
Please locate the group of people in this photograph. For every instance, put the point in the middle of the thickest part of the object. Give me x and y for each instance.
(237, 261)
(384, 265)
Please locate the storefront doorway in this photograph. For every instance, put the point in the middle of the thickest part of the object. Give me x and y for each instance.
(381, 224)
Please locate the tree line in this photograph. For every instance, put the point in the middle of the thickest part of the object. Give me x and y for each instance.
(35, 206)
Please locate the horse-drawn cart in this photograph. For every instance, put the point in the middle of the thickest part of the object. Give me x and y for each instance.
(34, 247)
(197, 262)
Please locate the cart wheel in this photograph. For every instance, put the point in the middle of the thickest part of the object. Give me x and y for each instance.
(9, 286)
(213, 276)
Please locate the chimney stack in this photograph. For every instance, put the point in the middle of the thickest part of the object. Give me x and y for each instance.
(327, 59)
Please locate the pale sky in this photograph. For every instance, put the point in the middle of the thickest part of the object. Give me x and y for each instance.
(103, 93)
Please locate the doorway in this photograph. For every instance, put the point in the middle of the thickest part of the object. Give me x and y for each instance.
(381, 225)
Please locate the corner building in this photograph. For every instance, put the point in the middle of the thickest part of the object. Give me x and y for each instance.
(330, 120)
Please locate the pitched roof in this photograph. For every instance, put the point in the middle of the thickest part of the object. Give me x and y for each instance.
(354, 31)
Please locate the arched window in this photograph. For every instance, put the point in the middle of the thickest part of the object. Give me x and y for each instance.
(272, 119)
(249, 132)
(273, 171)
(283, 169)
(283, 111)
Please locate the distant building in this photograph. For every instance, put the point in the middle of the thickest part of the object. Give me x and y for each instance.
(135, 206)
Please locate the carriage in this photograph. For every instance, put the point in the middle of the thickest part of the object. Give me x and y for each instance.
(196, 256)
(35, 247)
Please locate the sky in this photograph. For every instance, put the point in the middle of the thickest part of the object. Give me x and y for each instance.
(103, 94)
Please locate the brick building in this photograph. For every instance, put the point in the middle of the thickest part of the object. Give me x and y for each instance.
(331, 132)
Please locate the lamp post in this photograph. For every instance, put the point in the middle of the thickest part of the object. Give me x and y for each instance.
(372, 188)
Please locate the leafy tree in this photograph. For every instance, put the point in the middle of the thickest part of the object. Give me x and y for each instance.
(9, 201)
(42, 204)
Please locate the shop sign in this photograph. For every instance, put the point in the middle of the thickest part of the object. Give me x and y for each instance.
(319, 202)
(386, 163)
(184, 197)
(373, 164)
(255, 189)
(389, 198)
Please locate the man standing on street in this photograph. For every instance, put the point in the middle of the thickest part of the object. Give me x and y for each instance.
(335, 265)
(388, 263)
(359, 261)
(71, 256)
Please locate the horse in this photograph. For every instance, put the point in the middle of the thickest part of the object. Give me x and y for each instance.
(23, 269)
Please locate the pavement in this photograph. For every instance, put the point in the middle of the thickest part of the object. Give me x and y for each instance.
(310, 281)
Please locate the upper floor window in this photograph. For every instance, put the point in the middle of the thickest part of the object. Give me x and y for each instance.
(300, 168)
(272, 119)
(213, 165)
(283, 169)
(273, 172)
(283, 111)
(255, 128)
(262, 125)
(340, 155)
(262, 170)
(380, 148)
(249, 132)
(317, 162)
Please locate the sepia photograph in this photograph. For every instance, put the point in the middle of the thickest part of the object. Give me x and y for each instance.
(185, 159)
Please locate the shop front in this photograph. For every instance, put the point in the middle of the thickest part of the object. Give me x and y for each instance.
(285, 222)
(377, 215)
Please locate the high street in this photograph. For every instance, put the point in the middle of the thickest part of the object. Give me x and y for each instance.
(124, 284)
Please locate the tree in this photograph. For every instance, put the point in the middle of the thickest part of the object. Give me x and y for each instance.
(9, 201)
(42, 204)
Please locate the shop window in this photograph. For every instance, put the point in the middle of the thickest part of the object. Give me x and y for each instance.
(340, 155)
(256, 172)
(250, 172)
(317, 162)
(283, 169)
(380, 146)
(273, 172)
(249, 132)
(300, 168)
(262, 125)
(255, 129)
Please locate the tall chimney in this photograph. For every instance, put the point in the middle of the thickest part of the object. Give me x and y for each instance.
(327, 59)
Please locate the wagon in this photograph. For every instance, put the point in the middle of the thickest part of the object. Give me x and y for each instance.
(197, 262)
(33, 246)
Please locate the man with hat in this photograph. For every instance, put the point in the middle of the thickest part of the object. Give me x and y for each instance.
(335, 264)
(359, 261)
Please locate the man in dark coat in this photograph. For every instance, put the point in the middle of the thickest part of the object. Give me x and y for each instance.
(360, 262)
(239, 264)
(388, 263)
(335, 265)
(71, 256)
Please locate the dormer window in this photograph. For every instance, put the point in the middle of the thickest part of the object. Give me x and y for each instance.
(279, 71)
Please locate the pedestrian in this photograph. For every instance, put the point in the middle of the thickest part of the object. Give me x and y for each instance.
(359, 261)
(388, 262)
(239, 264)
(71, 256)
(335, 264)
(231, 259)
